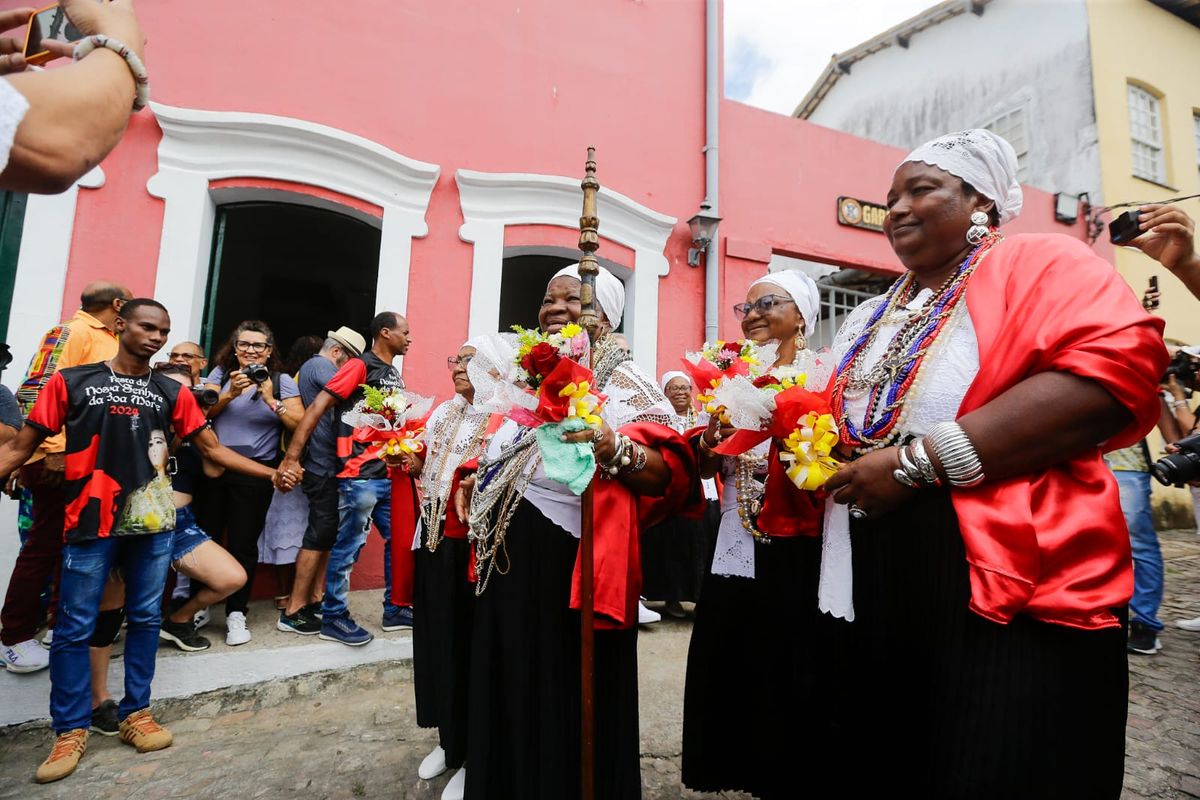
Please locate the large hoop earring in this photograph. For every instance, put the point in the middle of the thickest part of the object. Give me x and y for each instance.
(801, 342)
(978, 229)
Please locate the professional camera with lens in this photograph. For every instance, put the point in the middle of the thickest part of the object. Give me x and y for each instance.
(257, 373)
(1183, 367)
(1182, 467)
(205, 397)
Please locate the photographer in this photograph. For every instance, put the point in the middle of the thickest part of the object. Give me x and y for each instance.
(56, 125)
(257, 402)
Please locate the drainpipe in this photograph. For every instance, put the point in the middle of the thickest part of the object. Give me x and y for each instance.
(712, 105)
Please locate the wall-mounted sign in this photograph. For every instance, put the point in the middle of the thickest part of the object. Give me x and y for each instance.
(860, 214)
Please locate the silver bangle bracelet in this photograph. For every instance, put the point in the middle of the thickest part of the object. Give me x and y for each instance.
(908, 474)
(925, 463)
(957, 455)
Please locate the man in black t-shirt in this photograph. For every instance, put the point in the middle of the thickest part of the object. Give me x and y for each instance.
(119, 512)
(364, 485)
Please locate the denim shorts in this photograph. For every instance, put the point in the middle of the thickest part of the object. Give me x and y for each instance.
(188, 535)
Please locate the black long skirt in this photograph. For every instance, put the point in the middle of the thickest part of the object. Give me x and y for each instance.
(755, 709)
(676, 554)
(523, 716)
(442, 628)
(950, 705)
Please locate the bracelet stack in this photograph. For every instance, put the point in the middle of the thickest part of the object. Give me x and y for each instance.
(960, 462)
(141, 79)
(630, 457)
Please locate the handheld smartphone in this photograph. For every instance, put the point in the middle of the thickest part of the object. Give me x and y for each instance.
(48, 23)
(1150, 300)
(1124, 229)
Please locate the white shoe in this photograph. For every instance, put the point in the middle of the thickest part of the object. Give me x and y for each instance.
(646, 616)
(1189, 624)
(26, 656)
(456, 787)
(433, 764)
(236, 631)
(201, 618)
(48, 639)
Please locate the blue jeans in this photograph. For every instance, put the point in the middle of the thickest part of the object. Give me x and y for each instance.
(1147, 557)
(360, 502)
(85, 567)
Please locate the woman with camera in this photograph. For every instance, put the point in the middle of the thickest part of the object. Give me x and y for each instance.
(257, 402)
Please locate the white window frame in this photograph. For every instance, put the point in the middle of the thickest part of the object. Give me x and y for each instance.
(1012, 124)
(1148, 159)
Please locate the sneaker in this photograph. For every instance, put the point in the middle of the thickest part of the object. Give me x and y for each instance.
(1142, 639)
(48, 639)
(312, 611)
(26, 656)
(646, 616)
(236, 631)
(344, 630)
(400, 619)
(140, 730)
(1192, 625)
(457, 786)
(69, 747)
(104, 718)
(202, 618)
(183, 635)
(299, 623)
(433, 764)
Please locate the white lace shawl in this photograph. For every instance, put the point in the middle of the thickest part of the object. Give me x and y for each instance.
(445, 455)
(13, 106)
(950, 368)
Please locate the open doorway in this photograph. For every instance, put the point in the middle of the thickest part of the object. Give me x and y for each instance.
(300, 269)
(527, 270)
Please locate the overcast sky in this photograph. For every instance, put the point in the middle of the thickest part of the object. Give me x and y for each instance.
(776, 49)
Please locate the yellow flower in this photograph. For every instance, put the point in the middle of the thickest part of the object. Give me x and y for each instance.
(808, 449)
(583, 404)
(571, 330)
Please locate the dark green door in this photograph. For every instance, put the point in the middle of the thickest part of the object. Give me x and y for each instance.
(12, 220)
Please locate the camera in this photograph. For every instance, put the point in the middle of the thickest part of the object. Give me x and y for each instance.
(1182, 467)
(1124, 229)
(205, 397)
(257, 373)
(1183, 367)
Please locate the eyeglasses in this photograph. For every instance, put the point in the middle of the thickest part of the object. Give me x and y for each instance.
(453, 362)
(762, 305)
(185, 356)
(253, 347)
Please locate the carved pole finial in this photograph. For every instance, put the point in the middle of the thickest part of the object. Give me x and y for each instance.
(589, 242)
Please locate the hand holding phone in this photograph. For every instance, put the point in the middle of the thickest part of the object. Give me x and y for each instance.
(12, 59)
(1150, 298)
(46, 26)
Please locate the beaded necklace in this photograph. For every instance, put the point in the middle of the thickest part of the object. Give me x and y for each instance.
(890, 383)
(438, 501)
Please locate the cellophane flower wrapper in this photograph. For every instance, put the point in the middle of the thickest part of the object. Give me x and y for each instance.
(722, 369)
(392, 418)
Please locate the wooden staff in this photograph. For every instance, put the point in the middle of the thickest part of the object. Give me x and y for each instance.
(589, 242)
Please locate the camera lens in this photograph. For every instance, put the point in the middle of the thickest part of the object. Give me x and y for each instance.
(256, 372)
(1179, 468)
(206, 397)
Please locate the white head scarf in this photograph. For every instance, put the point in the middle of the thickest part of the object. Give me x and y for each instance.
(670, 376)
(610, 292)
(803, 291)
(982, 159)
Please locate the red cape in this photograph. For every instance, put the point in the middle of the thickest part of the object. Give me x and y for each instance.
(1054, 544)
(620, 516)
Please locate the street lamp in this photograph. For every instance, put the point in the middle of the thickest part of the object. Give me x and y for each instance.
(704, 228)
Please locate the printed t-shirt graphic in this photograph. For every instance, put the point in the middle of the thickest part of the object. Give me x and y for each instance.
(360, 459)
(116, 481)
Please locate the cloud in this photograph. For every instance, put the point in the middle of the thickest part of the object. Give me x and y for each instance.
(775, 49)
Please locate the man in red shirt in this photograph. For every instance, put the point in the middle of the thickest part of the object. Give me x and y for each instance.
(364, 485)
(119, 511)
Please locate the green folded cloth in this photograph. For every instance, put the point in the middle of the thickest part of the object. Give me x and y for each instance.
(570, 463)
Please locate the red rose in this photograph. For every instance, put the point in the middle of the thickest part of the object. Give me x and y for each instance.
(733, 347)
(544, 358)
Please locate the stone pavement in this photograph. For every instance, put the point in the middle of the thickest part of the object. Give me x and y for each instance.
(350, 733)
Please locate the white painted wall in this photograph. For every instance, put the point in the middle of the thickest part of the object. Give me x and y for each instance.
(962, 72)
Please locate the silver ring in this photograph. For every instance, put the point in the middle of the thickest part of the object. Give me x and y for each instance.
(597, 434)
(857, 512)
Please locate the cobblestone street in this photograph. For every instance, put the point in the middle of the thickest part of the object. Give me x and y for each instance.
(351, 733)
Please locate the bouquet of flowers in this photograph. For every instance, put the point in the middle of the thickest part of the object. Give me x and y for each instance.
(392, 418)
(724, 374)
(550, 366)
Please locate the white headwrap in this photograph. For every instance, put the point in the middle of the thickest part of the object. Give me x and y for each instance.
(802, 289)
(982, 159)
(670, 376)
(610, 292)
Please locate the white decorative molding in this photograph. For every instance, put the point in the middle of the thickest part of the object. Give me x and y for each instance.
(492, 201)
(199, 146)
(42, 270)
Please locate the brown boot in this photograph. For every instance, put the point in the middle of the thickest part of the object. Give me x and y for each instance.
(69, 747)
(140, 730)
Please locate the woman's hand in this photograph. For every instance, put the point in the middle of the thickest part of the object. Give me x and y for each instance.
(1174, 388)
(462, 498)
(266, 391)
(1168, 236)
(868, 483)
(285, 479)
(238, 383)
(605, 446)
